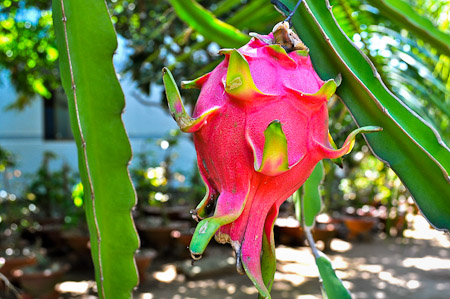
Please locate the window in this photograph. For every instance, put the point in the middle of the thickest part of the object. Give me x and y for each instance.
(56, 117)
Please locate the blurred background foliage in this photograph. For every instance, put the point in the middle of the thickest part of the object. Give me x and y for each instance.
(411, 68)
(27, 49)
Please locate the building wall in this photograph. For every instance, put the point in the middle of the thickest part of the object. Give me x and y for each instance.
(22, 132)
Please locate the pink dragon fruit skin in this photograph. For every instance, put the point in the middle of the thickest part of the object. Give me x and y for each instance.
(260, 126)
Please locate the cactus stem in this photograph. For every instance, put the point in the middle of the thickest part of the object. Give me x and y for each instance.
(83, 145)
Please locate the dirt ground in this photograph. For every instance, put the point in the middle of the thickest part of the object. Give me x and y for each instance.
(417, 266)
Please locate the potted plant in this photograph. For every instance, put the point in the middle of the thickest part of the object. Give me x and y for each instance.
(75, 231)
(163, 198)
(39, 280)
(15, 219)
(143, 259)
(50, 191)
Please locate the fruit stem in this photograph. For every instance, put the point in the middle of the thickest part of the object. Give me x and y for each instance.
(289, 18)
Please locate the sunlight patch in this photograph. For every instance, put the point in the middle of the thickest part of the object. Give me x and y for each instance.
(168, 274)
(428, 263)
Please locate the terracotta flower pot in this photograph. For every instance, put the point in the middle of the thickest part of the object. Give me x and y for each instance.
(288, 231)
(40, 283)
(52, 237)
(181, 240)
(358, 226)
(80, 252)
(143, 260)
(324, 234)
(16, 262)
(159, 236)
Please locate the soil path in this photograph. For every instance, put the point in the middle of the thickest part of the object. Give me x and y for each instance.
(417, 266)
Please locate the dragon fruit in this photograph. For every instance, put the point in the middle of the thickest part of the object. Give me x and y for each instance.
(260, 126)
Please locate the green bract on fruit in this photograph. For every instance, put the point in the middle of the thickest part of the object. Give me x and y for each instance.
(260, 126)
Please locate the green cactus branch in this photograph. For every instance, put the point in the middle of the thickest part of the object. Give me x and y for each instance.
(402, 13)
(356, 27)
(82, 145)
(407, 144)
(86, 42)
(307, 206)
(331, 285)
(243, 17)
(307, 200)
(207, 24)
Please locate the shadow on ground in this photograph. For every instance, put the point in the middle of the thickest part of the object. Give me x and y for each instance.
(417, 266)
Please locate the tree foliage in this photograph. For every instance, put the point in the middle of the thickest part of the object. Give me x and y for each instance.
(27, 49)
(152, 31)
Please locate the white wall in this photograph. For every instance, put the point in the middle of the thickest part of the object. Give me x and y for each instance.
(22, 131)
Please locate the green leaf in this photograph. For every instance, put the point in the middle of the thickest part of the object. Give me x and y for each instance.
(208, 25)
(254, 13)
(312, 201)
(309, 206)
(225, 6)
(407, 144)
(333, 286)
(404, 15)
(86, 42)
